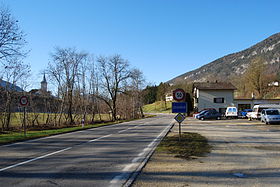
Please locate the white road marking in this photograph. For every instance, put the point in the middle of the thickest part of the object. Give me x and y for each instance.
(127, 168)
(93, 140)
(44, 156)
(37, 139)
(122, 130)
(136, 159)
(146, 149)
(58, 135)
(34, 159)
(134, 162)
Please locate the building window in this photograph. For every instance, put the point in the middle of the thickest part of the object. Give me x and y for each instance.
(219, 100)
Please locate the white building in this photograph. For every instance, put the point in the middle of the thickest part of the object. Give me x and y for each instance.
(220, 95)
(169, 97)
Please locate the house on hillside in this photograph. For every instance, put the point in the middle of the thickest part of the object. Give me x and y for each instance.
(218, 95)
(169, 97)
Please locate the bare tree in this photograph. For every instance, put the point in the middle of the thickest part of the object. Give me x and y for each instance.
(254, 77)
(94, 107)
(64, 69)
(11, 36)
(81, 96)
(137, 84)
(114, 71)
(14, 71)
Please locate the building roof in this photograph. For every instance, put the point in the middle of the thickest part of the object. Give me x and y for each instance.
(214, 86)
(9, 86)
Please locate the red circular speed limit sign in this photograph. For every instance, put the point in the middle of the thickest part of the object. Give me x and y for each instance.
(23, 101)
(179, 94)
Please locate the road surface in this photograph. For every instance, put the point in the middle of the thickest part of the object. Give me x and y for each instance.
(106, 156)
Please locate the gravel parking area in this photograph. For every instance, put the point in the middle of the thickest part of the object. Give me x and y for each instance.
(244, 153)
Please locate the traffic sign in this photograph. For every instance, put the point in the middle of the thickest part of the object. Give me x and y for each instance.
(23, 101)
(179, 118)
(179, 94)
(179, 107)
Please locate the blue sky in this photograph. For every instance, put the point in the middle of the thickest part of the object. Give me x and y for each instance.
(163, 38)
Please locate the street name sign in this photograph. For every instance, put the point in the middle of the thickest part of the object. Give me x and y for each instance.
(179, 118)
(179, 107)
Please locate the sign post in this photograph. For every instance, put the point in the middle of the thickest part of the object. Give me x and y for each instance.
(23, 101)
(179, 118)
(179, 107)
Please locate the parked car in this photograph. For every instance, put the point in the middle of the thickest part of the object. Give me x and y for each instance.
(257, 109)
(211, 114)
(200, 113)
(197, 116)
(244, 112)
(197, 113)
(269, 116)
(231, 112)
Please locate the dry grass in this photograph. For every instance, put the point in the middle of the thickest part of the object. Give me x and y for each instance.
(191, 145)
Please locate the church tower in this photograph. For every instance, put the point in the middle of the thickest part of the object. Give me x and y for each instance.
(44, 84)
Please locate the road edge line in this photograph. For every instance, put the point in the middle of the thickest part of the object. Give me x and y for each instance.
(135, 174)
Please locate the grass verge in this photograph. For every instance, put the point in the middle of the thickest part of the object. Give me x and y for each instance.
(10, 137)
(191, 145)
(158, 107)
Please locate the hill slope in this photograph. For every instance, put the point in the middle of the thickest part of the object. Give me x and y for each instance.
(236, 64)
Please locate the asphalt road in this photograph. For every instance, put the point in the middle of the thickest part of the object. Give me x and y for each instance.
(106, 156)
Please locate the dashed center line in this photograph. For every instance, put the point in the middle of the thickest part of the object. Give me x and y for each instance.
(62, 150)
(34, 159)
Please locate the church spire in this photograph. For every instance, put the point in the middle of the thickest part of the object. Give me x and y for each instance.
(44, 84)
(44, 79)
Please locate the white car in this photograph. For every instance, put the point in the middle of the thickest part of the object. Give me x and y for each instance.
(231, 112)
(269, 116)
(257, 109)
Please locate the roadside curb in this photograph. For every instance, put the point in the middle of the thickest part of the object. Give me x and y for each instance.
(135, 174)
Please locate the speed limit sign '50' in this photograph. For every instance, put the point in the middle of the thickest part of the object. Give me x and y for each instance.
(23, 101)
(179, 94)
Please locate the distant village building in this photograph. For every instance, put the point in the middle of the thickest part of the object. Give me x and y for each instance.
(44, 88)
(169, 97)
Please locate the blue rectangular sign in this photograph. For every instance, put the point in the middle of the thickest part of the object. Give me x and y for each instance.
(179, 107)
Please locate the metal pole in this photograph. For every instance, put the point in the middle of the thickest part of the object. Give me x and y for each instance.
(179, 132)
(24, 121)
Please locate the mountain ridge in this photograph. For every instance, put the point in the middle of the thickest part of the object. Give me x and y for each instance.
(234, 64)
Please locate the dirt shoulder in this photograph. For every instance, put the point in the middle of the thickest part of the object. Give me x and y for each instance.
(243, 154)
